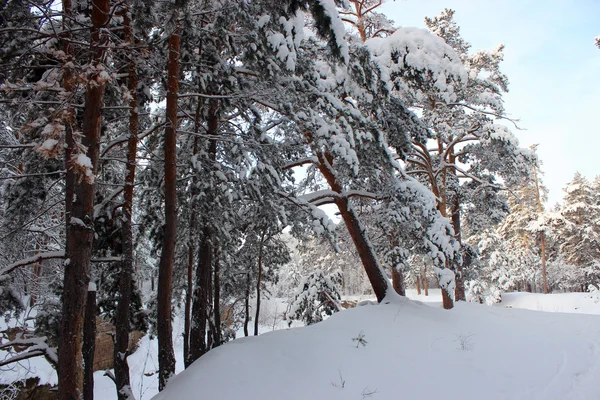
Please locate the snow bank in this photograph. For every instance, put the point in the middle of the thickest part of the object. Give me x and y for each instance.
(411, 351)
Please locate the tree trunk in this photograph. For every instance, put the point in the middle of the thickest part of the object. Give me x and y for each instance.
(544, 274)
(358, 233)
(259, 282)
(247, 305)
(425, 281)
(418, 285)
(79, 217)
(447, 302)
(198, 344)
(166, 355)
(217, 302)
(189, 294)
(89, 343)
(398, 281)
(459, 289)
(122, 325)
(188, 298)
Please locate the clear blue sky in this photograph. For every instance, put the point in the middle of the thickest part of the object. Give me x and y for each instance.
(553, 67)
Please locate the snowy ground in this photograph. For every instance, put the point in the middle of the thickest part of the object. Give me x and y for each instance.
(413, 349)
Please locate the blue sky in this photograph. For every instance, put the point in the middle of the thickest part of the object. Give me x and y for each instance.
(553, 67)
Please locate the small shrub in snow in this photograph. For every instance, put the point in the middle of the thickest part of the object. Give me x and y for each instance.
(464, 341)
(360, 340)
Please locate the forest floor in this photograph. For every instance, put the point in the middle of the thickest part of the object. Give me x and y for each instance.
(409, 349)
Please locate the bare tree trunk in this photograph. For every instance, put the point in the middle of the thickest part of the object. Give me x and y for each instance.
(544, 274)
(217, 301)
(247, 305)
(259, 282)
(190, 270)
(89, 343)
(166, 355)
(188, 299)
(418, 285)
(459, 290)
(358, 233)
(79, 216)
(447, 302)
(425, 281)
(122, 325)
(398, 281)
(198, 344)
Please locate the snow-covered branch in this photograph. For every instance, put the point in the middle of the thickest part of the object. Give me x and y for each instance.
(31, 260)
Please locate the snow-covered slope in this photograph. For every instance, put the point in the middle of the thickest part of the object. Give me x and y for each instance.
(411, 351)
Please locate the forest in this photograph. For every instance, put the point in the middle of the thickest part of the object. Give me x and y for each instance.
(190, 158)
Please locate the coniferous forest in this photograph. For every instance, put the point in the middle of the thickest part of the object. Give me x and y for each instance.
(185, 160)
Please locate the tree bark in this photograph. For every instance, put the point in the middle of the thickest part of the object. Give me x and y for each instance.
(425, 281)
(398, 281)
(166, 355)
(89, 344)
(459, 290)
(79, 215)
(217, 301)
(247, 305)
(189, 295)
(122, 325)
(418, 285)
(198, 344)
(202, 293)
(544, 274)
(259, 282)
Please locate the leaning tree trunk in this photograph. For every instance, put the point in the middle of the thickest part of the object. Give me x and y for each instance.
(166, 355)
(358, 233)
(122, 326)
(79, 216)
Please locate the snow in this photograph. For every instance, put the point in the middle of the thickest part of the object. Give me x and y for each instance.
(577, 303)
(412, 351)
(421, 51)
(499, 352)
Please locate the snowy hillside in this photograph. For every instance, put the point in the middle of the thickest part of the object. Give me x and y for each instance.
(410, 350)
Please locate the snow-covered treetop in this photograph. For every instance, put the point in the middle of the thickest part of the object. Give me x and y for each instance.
(414, 52)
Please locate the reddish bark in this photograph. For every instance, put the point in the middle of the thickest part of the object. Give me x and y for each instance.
(398, 281)
(79, 217)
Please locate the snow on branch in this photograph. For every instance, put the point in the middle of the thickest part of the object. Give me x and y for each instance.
(36, 346)
(31, 260)
(49, 255)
